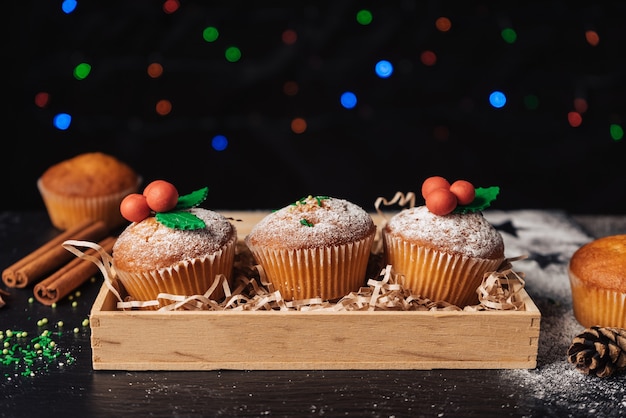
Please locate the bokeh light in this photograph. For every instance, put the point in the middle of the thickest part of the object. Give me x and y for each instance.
(68, 6)
(384, 69)
(210, 34)
(531, 102)
(443, 24)
(364, 17)
(509, 35)
(155, 70)
(428, 58)
(580, 105)
(290, 88)
(441, 133)
(289, 36)
(298, 125)
(592, 37)
(62, 121)
(616, 131)
(348, 100)
(219, 142)
(232, 54)
(170, 6)
(163, 107)
(497, 99)
(575, 119)
(42, 99)
(82, 70)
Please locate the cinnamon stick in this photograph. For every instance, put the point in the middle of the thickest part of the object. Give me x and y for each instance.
(51, 255)
(63, 281)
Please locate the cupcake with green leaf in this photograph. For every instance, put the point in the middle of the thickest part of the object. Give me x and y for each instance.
(172, 246)
(443, 248)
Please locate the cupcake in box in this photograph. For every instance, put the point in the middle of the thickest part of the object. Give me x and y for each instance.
(317, 247)
(443, 248)
(172, 246)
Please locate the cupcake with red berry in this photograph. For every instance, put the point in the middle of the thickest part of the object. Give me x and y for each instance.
(442, 249)
(172, 246)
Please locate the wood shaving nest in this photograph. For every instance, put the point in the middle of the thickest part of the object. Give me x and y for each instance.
(499, 290)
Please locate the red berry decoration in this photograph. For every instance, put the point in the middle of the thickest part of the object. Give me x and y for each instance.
(161, 195)
(464, 191)
(441, 201)
(433, 183)
(134, 207)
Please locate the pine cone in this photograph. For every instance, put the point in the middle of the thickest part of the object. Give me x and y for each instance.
(599, 350)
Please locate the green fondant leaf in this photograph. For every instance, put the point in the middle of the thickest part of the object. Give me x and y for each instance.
(192, 199)
(482, 200)
(180, 219)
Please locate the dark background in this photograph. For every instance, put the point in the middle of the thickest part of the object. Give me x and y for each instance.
(421, 121)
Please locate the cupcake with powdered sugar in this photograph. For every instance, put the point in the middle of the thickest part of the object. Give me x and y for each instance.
(317, 247)
(443, 249)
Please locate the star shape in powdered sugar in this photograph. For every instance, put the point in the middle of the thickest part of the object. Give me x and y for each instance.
(508, 227)
(544, 260)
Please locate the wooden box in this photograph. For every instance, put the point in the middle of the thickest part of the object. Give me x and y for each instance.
(312, 340)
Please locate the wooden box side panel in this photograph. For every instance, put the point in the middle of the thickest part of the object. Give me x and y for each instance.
(316, 340)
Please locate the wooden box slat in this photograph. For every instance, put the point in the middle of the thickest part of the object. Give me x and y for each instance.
(314, 340)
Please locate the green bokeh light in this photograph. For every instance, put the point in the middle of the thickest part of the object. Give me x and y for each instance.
(233, 54)
(81, 71)
(531, 102)
(509, 35)
(210, 34)
(617, 133)
(364, 17)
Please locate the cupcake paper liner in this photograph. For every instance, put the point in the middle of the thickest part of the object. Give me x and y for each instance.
(328, 273)
(187, 278)
(437, 275)
(66, 212)
(597, 307)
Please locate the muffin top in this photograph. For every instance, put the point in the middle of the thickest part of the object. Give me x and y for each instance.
(466, 234)
(312, 222)
(150, 245)
(89, 174)
(602, 263)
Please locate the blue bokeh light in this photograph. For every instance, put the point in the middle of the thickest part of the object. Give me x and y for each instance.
(348, 100)
(68, 6)
(62, 121)
(219, 142)
(497, 99)
(384, 69)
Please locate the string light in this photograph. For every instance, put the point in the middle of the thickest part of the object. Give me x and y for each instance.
(163, 107)
(219, 142)
(233, 54)
(509, 35)
(62, 121)
(428, 58)
(348, 100)
(616, 131)
(443, 24)
(82, 70)
(575, 119)
(68, 6)
(170, 6)
(592, 37)
(210, 34)
(155, 70)
(289, 37)
(497, 99)
(298, 125)
(364, 17)
(42, 99)
(384, 69)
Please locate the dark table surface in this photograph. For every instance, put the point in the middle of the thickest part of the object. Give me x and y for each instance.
(73, 388)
